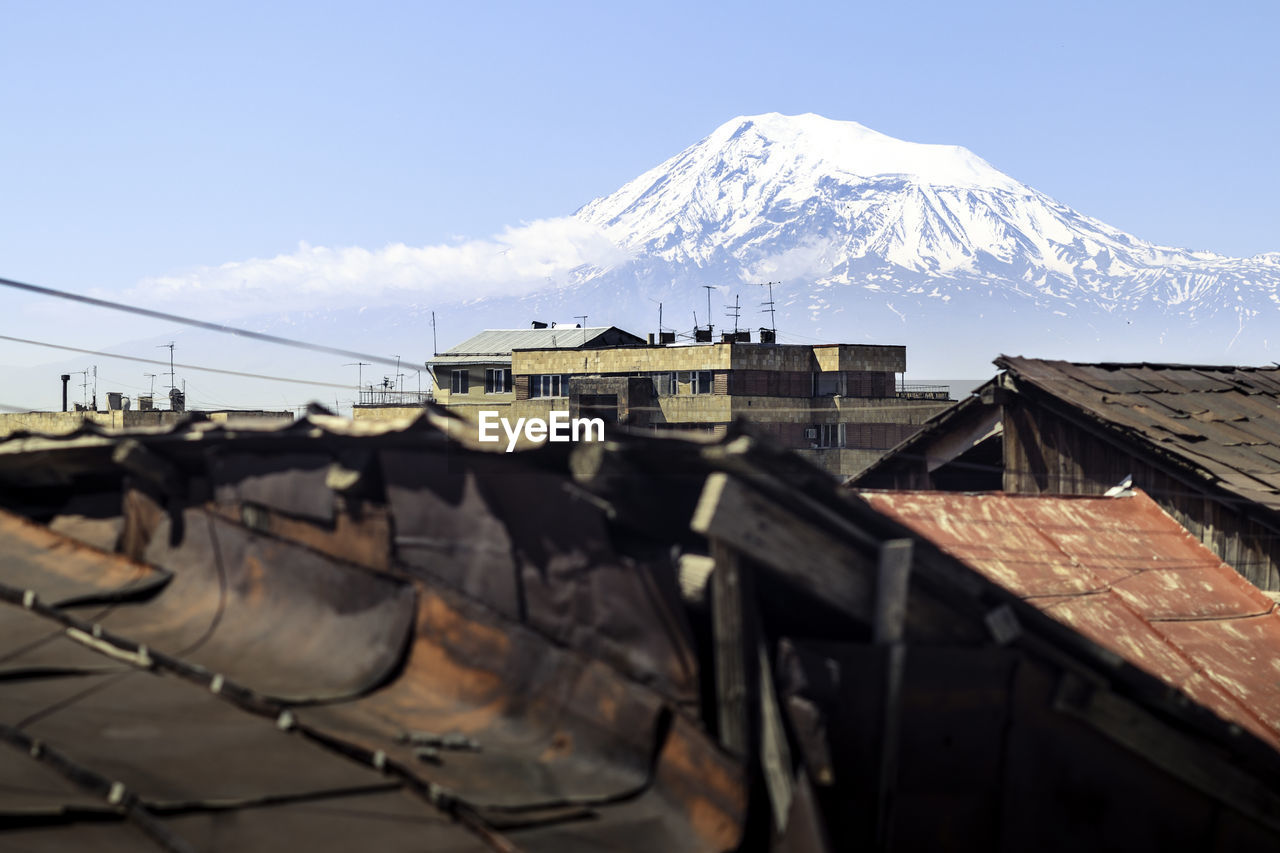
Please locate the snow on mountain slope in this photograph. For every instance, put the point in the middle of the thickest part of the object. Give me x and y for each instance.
(819, 203)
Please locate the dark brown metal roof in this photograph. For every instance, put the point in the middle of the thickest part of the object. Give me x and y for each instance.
(1222, 421)
(1129, 577)
(278, 659)
(331, 637)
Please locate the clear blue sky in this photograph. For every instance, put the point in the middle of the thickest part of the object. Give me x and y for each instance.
(139, 139)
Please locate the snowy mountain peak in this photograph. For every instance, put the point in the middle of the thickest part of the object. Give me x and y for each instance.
(758, 184)
(842, 212)
(769, 166)
(814, 143)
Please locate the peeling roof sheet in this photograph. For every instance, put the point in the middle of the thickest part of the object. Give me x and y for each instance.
(1224, 421)
(496, 344)
(1127, 576)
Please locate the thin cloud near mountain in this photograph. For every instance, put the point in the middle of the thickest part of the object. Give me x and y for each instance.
(526, 258)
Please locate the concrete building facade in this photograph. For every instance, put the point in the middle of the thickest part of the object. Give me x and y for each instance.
(59, 423)
(840, 405)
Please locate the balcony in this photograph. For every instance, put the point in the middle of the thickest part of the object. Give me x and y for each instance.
(921, 391)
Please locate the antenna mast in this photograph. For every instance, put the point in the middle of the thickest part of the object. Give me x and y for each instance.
(359, 366)
(709, 288)
(583, 318)
(84, 387)
(768, 306)
(171, 374)
(735, 312)
(435, 350)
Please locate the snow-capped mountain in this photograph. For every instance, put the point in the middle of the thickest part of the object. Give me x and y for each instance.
(853, 221)
(869, 239)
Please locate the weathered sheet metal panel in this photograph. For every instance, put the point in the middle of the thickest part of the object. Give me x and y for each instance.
(294, 483)
(520, 543)
(171, 743)
(61, 571)
(34, 646)
(382, 821)
(284, 621)
(1241, 656)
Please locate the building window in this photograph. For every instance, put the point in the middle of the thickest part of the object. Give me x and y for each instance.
(549, 385)
(699, 381)
(826, 384)
(664, 384)
(497, 380)
(459, 381)
(830, 435)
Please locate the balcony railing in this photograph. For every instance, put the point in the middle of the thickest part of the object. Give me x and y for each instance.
(921, 391)
(376, 396)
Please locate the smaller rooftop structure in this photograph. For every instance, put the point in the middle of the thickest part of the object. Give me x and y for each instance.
(1202, 440)
(1223, 421)
(493, 345)
(1127, 576)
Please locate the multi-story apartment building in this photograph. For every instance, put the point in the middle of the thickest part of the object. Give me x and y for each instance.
(838, 404)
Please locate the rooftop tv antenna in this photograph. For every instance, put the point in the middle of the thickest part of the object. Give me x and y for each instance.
(171, 373)
(152, 377)
(735, 312)
(709, 288)
(768, 306)
(359, 366)
(651, 299)
(583, 318)
(84, 386)
(435, 350)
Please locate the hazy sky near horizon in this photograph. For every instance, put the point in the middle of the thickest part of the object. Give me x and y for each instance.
(142, 139)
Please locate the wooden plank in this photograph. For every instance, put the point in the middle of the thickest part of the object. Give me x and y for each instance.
(804, 556)
(729, 629)
(775, 754)
(893, 576)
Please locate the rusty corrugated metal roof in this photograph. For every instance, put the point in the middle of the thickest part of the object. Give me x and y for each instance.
(1221, 420)
(1126, 575)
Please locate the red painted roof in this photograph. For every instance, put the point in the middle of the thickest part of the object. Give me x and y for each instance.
(1127, 576)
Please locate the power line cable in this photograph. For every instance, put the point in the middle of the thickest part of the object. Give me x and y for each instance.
(220, 370)
(188, 321)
